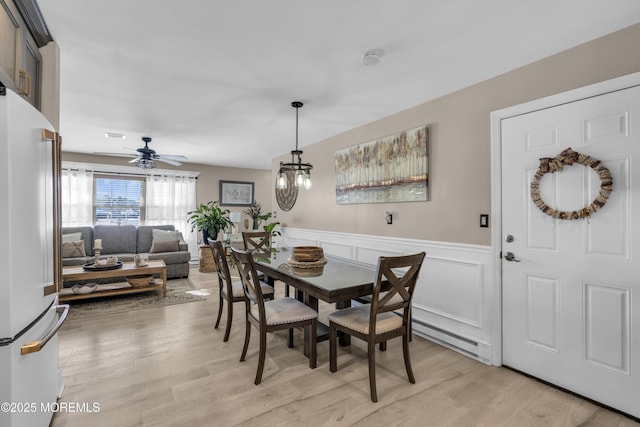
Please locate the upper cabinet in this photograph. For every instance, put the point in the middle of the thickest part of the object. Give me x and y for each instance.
(9, 43)
(22, 33)
(30, 72)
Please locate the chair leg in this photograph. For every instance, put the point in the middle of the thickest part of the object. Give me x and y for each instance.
(410, 325)
(407, 359)
(312, 343)
(290, 338)
(263, 351)
(227, 329)
(221, 299)
(247, 335)
(372, 370)
(333, 356)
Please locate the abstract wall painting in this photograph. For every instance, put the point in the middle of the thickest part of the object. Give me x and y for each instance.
(393, 168)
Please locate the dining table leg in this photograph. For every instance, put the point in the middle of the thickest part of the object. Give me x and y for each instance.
(313, 303)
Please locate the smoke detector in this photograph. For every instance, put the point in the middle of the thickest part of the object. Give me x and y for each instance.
(372, 57)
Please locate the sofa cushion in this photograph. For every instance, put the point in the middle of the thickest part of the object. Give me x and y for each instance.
(164, 246)
(86, 236)
(116, 238)
(170, 258)
(73, 249)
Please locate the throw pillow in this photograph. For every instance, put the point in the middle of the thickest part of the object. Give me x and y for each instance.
(165, 246)
(165, 235)
(72, 237)
(73, 249)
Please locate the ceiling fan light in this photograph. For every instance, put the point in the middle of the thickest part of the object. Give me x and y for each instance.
(145, 163)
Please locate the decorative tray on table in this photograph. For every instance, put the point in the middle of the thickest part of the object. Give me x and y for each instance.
(93, 267)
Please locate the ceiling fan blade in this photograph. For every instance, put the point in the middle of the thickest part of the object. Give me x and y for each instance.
(135, 159)
(172, 157)
(169, 161)
(115, 154)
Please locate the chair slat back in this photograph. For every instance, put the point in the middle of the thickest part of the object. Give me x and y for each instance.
(222, 267)
(401, 272)
(257, 241)
(249, 278)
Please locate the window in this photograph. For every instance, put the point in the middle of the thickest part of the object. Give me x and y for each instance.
(118, 200)
(94, 194)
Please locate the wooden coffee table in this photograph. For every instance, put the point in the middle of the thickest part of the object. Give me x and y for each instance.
(128, 269)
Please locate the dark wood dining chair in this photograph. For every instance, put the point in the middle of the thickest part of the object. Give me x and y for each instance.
(272, 315)
(376, 322)
(259, 244)
(229, 290)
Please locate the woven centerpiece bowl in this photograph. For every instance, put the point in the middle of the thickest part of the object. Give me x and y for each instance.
(308, 271)
(140, 280)
(307, 254)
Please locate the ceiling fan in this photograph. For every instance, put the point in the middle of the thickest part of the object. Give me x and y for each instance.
(146, 157)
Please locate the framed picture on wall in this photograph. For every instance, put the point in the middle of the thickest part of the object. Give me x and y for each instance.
(394, 168)
(236, 193)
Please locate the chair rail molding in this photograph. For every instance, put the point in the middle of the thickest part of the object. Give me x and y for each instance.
(455, 299)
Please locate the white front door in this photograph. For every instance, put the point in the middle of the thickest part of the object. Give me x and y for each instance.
(571, 289)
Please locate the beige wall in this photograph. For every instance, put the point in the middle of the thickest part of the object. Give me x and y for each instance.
(208, 186)
(460, 165)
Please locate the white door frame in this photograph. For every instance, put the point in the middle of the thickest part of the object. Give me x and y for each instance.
(496, 180)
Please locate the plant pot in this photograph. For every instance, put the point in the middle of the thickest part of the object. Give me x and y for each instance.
(206, 236)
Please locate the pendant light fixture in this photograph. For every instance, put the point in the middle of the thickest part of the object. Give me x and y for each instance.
(302, 177)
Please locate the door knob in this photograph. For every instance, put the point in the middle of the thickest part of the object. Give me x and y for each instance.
(509, 256)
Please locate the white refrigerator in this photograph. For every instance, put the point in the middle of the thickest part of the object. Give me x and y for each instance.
(30, 378)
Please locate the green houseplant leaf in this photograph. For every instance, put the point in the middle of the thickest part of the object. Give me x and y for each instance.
(255, 213)
(209, 217)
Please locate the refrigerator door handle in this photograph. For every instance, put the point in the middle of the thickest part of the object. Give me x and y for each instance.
(35, 346)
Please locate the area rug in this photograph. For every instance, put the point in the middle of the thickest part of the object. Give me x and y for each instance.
(179, 291)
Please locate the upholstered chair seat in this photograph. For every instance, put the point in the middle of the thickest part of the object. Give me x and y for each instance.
(238, 292)
(357, 319)
(284, 310)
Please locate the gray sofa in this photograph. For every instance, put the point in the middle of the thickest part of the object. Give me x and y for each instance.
(124, 241)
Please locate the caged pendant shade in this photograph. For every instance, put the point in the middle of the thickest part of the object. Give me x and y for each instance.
(302, 170)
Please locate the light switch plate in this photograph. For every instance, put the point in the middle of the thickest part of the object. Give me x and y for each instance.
(484, 220)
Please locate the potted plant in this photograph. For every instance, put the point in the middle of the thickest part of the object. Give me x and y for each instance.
(270, 228)
(255, 212)
(209, 219)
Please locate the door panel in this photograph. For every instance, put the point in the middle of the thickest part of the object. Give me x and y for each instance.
(571, 302)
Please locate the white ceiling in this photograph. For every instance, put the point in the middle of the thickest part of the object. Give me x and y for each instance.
(213, 80)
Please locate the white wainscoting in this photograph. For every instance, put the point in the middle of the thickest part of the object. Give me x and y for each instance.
(454, 301)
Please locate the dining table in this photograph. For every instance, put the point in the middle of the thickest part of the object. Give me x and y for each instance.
(338, 281)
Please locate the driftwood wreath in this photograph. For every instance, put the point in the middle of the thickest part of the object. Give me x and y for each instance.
(569, 157)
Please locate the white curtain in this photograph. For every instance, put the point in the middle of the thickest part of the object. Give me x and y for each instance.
(77, 197)
(168, 199)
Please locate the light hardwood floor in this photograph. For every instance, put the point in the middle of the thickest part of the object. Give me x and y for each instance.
(168, 366)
